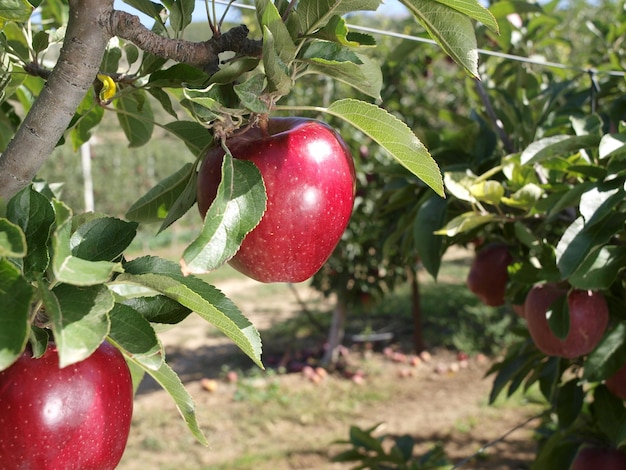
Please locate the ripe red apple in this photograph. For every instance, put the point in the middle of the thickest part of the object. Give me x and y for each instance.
(588, 319)
(310, 184)
(594, 458)
(617, 383)
(77, 417)
(488, 274)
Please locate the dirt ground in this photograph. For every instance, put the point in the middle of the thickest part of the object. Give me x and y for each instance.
(292, 422)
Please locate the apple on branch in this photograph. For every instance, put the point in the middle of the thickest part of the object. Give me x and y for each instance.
(75, 417)
(309, 180)
(588, 318)
(488, 274)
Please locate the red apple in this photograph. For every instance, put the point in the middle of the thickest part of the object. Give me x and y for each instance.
(310, 184)
(488, 274)
(75, 417)
(594, 458)
(588, 319)
(617, 383)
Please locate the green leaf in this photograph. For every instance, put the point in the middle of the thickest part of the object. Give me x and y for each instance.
(12, 240)
(171, 383)
(558, 317)
(612, 145)
(579, 240)
(569, 402)
(34, 214)
(392, 135)
(181, 12)
(177, 76)
(525, 197)
(195, 136)
(101, 238)
(598, 203)
(314, 14)
(276, 70)
(133, 333)
(600, 269)
(452, 30)
(68, 268)
(609, 413)
(488, 191)
(430, 217)
(464, 223)
(185, 201)
(249, 93)
(79, 319)
(475, 10)
(202, 298)
(158, 201)
(365, 77)
(159, 309)
(15, 10)
(135, 117)
(236, 210)
(608, 356)
(557, 146)
(336, 30)
(16, 294)
(152, 9)
(270, 21)
(330, 51)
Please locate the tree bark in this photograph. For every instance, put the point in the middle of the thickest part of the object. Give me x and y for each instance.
(77, 67)
(416, 310)
(92, 23)
(336, 333)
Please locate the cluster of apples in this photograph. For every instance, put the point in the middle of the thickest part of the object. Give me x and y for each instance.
(588, 319)
(587, 310)
(79, 416)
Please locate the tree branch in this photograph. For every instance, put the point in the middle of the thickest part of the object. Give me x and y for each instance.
(92, 23)
(203, 55)
(79, 62)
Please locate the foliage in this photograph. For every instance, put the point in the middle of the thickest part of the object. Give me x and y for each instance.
(369, 452)
(64, 275)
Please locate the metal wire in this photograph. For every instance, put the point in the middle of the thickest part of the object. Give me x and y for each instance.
(502, 55)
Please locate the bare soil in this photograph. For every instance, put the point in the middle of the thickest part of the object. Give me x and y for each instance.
(287, 421)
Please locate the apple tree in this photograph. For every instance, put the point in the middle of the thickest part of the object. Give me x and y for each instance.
(65, 282)
(551, 191)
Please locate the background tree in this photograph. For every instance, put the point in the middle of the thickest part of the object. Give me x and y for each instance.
(63, 275)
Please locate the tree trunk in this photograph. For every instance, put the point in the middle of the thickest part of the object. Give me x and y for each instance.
(336, 333)
(416, 310)
(44, 125)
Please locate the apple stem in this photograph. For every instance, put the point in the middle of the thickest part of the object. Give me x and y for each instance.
(264, 124)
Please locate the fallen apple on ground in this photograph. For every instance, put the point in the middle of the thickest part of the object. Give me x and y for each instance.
(309, 180)
(588, 319)
(488, 274)
(77, 417)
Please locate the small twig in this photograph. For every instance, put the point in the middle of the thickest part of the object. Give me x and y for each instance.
(508, 145)
(496, 441)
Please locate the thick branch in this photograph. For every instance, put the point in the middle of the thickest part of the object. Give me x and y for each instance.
(47, 120)
(91, 25)
(203, 55)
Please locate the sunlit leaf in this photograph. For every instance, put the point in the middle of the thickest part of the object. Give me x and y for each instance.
(236, 210)
(16, 294)
(392, 135)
